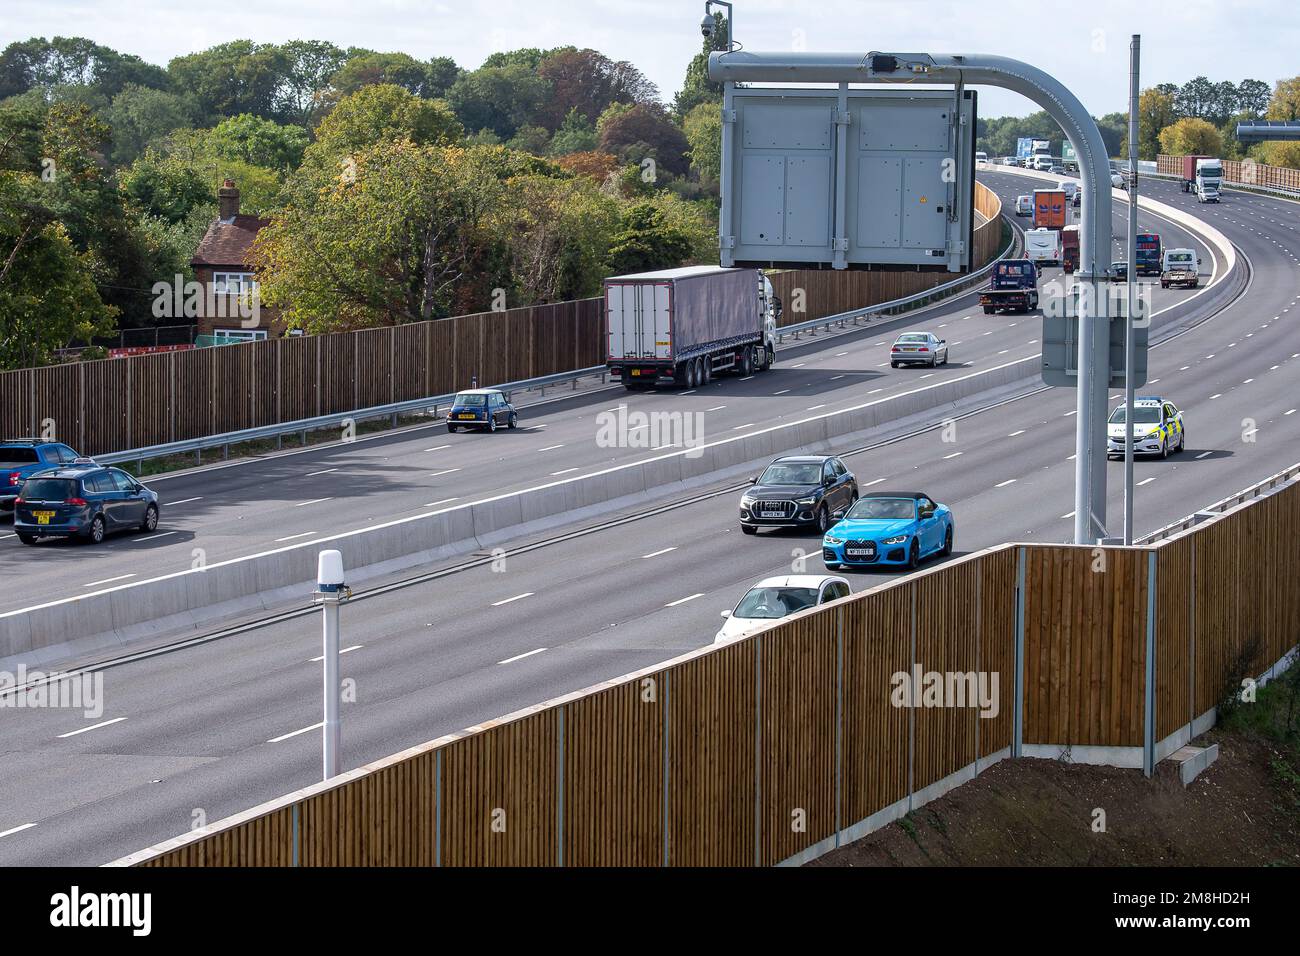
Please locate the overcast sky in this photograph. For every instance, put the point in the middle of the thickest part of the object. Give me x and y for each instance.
(1084, 44)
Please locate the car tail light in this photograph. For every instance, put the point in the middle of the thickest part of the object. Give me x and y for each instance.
(15, 478)
(923, 349)
(78, 502)
(18, 501)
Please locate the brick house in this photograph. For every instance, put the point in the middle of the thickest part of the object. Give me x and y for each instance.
(221, 265)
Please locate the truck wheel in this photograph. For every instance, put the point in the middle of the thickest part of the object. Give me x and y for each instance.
(747, 361)
(770, 353)
(988, 310)
(705, 370)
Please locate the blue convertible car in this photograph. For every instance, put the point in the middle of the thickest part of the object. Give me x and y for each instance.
(889, 528)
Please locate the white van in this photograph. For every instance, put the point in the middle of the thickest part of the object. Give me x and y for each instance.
(1069, 187)
(1024, 205)
(981, 157)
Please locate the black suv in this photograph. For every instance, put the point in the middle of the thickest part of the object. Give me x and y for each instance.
(83, 500)
(799, 491)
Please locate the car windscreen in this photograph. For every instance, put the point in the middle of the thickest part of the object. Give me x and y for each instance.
(49, 489)
(472, 400)
(890, 508)
(792, 473)
(1145, 415)
(913, 337)
(1006, 269)
(1180, 260)
(775, 602)
(11, 455)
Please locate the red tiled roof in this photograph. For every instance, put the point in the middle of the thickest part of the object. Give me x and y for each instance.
(226, 243)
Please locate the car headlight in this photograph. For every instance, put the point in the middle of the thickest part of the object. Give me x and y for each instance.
(805, 501)
(895, 540)
(748, 500)
(1153, 432)
(832, 540)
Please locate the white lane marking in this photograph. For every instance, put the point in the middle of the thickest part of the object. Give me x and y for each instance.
(655, 554)
(18, 829)
(1204, 454)
(836, 377)
(563, 471)
(1247, 381)
(874, 390)
(1274, 368)
(354, 647)
(551, 447)
(434, 504)
(1184, 368)
(874, 481)
(684, 600)
(183, 501)
(291, 537)
(517, 597)
(1015, 433)
(746, 425)
(927, 375)
(746, 378)
(1003, 484)
(1215, 395)
(436, 474)
(1004, 351)
(534, 428)
(1290, 412)
(314, 501)
(689, 391)
(1068, 514)
(520, 657)
(813, 408)
(953, 455)
(1069, 413)
(800, 365)
(782, 392)
(839, 354)
(150, 537)
(1145, 481)
(120, 577)
(323, 471)
(102, 723)
(437, 448)
(295, 733)
(989, 332)
(716, 408)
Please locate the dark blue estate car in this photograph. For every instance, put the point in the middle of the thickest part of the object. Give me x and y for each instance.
(82, 500)
(21, 457)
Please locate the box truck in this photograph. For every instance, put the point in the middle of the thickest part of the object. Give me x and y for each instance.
(1201, 171)
(681, 326)
(1049, 209)
(1043, 246)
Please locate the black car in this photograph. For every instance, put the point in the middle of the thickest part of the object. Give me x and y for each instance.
(799, 491)
(83, 500)
(1117, 272)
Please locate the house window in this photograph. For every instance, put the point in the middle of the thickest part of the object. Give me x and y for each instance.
(231, 336)
(234, 283)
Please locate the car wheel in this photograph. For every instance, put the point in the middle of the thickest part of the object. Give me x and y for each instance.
(1182, 440)
(27, 538)
(893, 365)
(492, 423)
(1164, 448)
(914, 556)
(514, 421)
(97, 529)
(452, 428)
(150, 522)
(934, 360)
(823, 520)
(947, 542)
(748, 529)
(945, 357)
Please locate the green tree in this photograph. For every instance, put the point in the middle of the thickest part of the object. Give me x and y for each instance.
(73, 61)
(1253, 97)
(1196, 98)
(1280, 154)
(308, 67)
(657, 235)
(703, 129)
(588, 82)
(575, 135)
(138, 115)
(166, 191)
(1156, 110)
(370, 69)
(1191, 135)
(499, 98)
(531, 139)
(260, 142)
(697, 87)
(184, 153)
(232, 78)
(1285, 102)
(383, 112)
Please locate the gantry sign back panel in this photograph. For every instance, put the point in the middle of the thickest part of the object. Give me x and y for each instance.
(847, 178)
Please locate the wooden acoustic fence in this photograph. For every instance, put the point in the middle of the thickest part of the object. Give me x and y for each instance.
(824, 292)
(144, 400)
(1240, 172)
(780, 746)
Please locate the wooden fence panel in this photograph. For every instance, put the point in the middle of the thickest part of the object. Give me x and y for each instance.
(798, 663)
(877, 645)
(997, 644)
(385, 818)
(1175, 577)
(947, 642)
(375, 360)
(16, 416)
(150, 402)
(59, 402)
(1085, 641)
(265, 840)
(614, 776)
(1218, 634)
(232, 387)
(711, 758)
(499, 794)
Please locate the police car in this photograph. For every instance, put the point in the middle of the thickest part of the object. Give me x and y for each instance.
(1157, 428)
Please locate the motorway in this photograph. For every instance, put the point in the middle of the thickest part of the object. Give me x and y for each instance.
(277, 502)
(218, 727)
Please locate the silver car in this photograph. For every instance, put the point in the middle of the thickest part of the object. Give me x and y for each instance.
(918, 348)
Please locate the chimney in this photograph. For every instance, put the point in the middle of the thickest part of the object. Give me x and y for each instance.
(228, 201)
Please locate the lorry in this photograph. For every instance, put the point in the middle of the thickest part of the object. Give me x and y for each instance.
(1049, 209)
(1013, 287)
(1043, 246)
(1070, 248)
(1201, 171)
(681, 326)
(1180, 268)
(1024, 150)
(1040, 153)
(1148, 254)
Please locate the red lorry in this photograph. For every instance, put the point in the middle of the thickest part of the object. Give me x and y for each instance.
(1049, 209)
(1070, 248)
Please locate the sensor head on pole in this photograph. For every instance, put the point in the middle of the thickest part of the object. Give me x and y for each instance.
(329, 571)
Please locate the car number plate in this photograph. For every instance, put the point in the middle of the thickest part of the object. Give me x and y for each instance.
(909, 349)
(467, 415)
(772, 514)
(860, 552)
(636, 371)
(43, 517)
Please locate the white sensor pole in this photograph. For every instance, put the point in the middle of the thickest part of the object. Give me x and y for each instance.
(331, 592)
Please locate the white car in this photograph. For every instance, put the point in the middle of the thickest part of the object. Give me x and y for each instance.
(774, 598)
(1024, 205)
(1117, 181)
(1157, 428)
(918, 348)
(1069, 187)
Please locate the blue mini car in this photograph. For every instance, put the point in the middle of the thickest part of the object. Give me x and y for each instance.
(485, 408)
(897, 528)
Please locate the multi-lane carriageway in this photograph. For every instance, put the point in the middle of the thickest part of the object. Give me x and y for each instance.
(223, 725)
